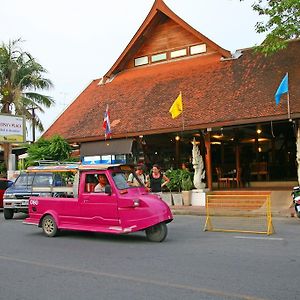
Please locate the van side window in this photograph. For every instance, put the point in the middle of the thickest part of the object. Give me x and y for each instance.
(43, 180)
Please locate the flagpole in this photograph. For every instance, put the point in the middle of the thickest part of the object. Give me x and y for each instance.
(105, 136)
(288, 106)
(182, 116)
(288, 100)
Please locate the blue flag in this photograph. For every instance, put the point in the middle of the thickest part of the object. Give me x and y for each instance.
(282, 89)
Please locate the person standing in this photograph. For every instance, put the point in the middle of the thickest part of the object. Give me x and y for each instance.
(157, 179)
(132, 181)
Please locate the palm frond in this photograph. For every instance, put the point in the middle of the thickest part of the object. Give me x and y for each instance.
(37, 98)
(21, 76)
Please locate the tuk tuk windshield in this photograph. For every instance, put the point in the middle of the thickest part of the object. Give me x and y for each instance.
(121, 181)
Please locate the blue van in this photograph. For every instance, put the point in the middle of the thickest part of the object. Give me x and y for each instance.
(16, 197)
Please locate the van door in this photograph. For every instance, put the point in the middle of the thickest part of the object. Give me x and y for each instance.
(97, 208)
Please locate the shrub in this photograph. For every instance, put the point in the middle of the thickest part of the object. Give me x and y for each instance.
(180, 180)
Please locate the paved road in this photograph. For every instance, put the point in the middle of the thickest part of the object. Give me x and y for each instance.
(190, 264)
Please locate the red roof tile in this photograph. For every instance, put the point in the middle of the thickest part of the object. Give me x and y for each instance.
(214, 92)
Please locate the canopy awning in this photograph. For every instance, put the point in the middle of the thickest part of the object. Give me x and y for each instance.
(109, 147)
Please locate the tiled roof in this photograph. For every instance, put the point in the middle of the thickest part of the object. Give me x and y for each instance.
(214, 92)
(152, 18)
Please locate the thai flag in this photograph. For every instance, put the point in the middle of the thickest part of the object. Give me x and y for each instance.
(106, 124)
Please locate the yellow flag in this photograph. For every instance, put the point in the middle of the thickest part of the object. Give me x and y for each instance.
(176, 108)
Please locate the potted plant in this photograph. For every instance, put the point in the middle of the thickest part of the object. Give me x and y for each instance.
(186, 186)
(175, 185)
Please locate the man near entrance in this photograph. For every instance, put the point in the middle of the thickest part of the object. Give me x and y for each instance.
(132, 181)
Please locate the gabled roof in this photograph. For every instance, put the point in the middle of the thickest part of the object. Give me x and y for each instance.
(158, 9)
(214, 93)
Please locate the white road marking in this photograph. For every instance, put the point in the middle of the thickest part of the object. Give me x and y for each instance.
(258, 238)
(133, 279)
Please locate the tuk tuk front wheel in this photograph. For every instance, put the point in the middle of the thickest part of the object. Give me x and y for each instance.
(157, 233)
(49, 226)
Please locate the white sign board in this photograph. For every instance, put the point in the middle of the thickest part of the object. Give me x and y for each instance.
(12, 129)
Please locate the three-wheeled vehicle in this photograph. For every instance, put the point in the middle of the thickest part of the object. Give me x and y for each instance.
(118, 209)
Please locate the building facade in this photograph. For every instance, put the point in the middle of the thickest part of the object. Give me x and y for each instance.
(228, 104)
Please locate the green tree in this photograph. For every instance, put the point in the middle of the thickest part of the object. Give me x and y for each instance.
(282, 24)
(56, 148)
(21, 79)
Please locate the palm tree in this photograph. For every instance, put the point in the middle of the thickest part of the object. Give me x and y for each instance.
(21, 78)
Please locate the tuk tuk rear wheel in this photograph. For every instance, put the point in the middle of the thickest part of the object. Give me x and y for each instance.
(157, 233)
(49, 226)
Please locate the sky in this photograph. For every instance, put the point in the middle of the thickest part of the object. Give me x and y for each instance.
(77, 41)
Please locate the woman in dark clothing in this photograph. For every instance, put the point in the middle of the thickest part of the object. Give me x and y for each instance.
(157, 179)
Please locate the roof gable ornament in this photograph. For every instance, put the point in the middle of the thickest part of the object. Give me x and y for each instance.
(158, 10)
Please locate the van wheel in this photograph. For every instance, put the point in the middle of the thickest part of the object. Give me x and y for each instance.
(8, 213)
(49, 226)
(157, 233)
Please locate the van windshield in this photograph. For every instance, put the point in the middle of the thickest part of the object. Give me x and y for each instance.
(24, 180)
(35, 179)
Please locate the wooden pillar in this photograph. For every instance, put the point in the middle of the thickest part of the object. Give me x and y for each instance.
(208, 167)
(238, 163)
(222, 153)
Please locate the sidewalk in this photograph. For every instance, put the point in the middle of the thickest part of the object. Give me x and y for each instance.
(200, 211)
(280, 206)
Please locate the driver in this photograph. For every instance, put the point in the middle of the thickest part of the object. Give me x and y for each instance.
(102, 182)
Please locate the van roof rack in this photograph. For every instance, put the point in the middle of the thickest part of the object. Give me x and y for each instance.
(55, 163)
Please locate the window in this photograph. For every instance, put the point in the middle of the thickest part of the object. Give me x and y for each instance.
(120, 181)
(4, 184)
(178, 53)
(96, 183)
(198, 49)
(43, 180)
(141, 61)
(158, 57)
(24, 179)
(91, 181)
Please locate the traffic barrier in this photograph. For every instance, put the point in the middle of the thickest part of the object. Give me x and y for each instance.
(239, 213)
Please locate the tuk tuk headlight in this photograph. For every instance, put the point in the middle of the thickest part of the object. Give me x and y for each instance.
(136, 202)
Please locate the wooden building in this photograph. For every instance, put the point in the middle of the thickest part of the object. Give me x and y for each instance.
(228, 103)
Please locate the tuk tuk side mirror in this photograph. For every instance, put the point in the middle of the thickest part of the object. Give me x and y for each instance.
(107, 189)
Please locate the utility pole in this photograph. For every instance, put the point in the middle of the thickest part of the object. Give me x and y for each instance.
(33, 122)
